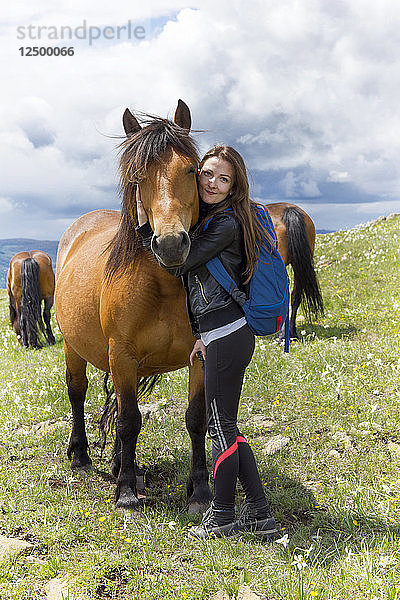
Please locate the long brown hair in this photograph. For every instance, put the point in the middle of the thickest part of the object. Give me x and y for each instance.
(254, 233)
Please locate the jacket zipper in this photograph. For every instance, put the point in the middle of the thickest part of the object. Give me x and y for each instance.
(201, 288)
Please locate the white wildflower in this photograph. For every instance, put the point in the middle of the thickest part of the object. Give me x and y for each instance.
(283, 540)
(384, 561)
(308, 552)
(299, 562)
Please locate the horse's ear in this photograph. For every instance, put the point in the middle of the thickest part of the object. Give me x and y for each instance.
(182, 115)
(130, 123)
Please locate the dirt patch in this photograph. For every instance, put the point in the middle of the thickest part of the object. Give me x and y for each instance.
(244, 593)
(41, 427)
(113, 580)
(259, 421)
(61, 484)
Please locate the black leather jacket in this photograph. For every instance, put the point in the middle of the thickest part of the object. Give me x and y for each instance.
(209, 305)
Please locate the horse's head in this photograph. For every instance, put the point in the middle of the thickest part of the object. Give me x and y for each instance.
(161, 159)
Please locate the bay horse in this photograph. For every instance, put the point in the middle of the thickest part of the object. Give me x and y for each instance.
(123, 313)
(30, 279)
(295, 232)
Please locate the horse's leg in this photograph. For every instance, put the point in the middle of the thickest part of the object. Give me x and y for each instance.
(14, 317)
(295, 303)
(116, 466)
(48, 303)
(129, 420)
(199, 494)
(77, 386)
(116, 457)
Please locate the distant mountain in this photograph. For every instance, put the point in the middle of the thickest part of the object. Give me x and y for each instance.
(10, 247)
(325, 230)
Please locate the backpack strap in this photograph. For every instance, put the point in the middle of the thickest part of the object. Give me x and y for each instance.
(219, 273)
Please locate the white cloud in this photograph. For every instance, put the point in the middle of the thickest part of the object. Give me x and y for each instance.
(338, 176)
(294, 186)
(5, 205)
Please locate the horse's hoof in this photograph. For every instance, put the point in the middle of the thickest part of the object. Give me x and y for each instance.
(81, 465)
(130, 514)
(197, 508)
(82, 472)
(127, 500)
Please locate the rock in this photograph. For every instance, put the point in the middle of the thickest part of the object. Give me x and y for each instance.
(345, 439)
(220, 596)
(57, 589)
(261, 421)
(12, 545)
(35, 560)
(276, 443)
(41, 427)
(333, 454)
(150, 408)
(363, 432)
(394, 449)
(245, 593)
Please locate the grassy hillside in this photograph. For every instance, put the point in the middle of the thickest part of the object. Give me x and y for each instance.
(334, 486)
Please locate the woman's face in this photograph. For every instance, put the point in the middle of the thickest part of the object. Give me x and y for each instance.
(215, 180)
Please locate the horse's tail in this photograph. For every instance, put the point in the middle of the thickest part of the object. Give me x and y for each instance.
(301, 258)
(108, 417)
(31, 297)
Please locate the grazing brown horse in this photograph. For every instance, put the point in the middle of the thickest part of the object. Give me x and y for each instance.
(120, 311)
(30, 279)
(295, 232)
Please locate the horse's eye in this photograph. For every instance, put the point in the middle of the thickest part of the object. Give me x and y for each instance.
(191, 170)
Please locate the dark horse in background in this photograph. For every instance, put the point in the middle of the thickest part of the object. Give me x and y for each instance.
(30, 279)
(295, 232)
(120, 311)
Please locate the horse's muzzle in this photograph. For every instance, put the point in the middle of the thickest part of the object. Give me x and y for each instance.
(172, 250)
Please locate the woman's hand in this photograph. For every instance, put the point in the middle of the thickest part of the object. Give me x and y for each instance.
(141, 213)
(198, 347)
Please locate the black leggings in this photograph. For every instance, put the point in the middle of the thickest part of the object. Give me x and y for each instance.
(225, 365)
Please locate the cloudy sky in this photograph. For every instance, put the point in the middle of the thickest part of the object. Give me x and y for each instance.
(307, 90)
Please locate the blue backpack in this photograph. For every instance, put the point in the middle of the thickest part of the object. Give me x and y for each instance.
(267, 307)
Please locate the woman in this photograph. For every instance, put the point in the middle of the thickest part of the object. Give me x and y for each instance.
(225, 341)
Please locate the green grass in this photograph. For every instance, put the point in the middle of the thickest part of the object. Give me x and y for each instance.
(335, 488)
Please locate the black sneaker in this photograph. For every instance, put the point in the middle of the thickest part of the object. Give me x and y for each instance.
(256, 520)
(215, 523)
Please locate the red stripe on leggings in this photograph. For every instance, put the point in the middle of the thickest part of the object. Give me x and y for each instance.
(225, 455)
(278, 323)
(241, 439)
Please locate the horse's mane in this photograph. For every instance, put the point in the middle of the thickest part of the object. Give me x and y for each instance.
(138, 152)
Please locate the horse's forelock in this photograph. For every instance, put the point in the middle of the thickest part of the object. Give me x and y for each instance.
(149, 146)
